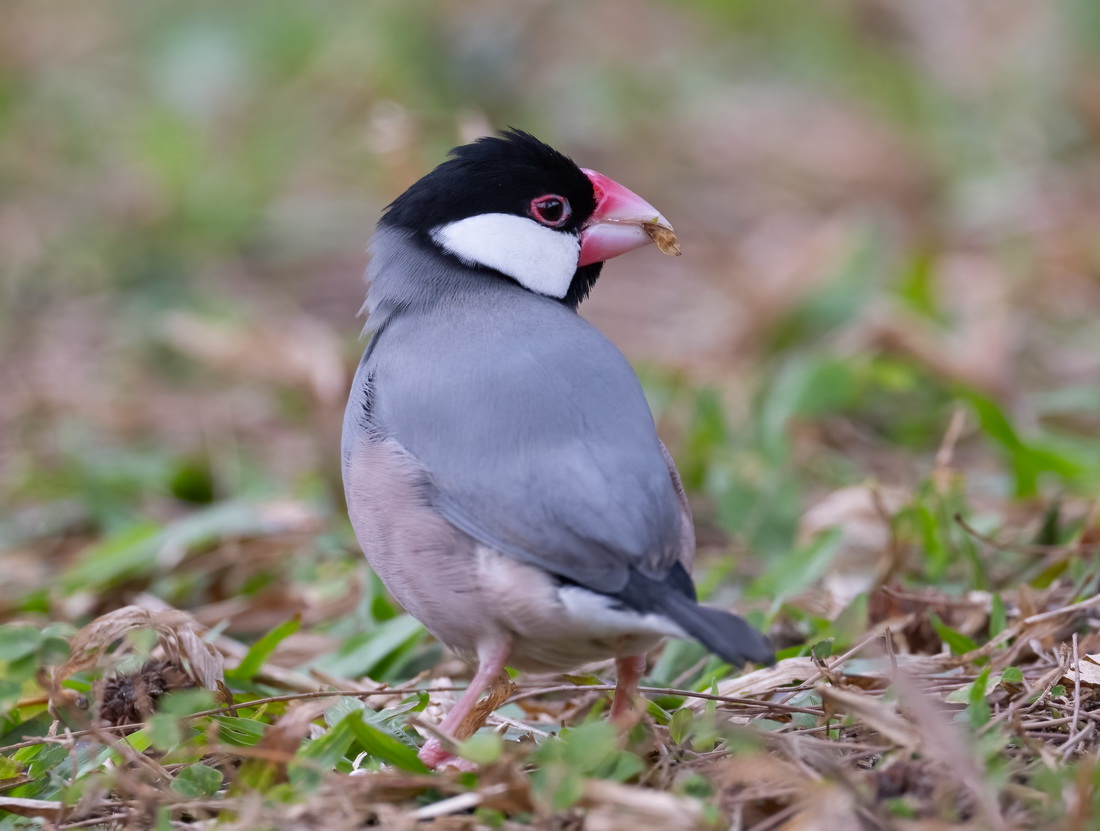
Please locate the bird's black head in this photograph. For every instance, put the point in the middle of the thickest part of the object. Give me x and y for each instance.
(505, 174)
(515, 206)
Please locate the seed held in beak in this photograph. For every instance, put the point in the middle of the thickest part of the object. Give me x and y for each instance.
(664, 238)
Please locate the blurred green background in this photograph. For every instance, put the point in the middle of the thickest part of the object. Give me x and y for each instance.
(889, 212)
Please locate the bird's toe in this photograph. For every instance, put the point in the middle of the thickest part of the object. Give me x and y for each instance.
(436, 757)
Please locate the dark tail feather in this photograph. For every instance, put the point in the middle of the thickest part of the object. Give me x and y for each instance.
(726, 635)
(673, 595)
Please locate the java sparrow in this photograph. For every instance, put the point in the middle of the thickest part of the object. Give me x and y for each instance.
(500, 462)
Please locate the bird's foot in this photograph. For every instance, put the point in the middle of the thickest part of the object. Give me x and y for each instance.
(626, 718)
(625, 712)
(432, 753)
(436, 757)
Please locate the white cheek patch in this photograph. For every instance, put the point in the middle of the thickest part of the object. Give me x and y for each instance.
(539, 258)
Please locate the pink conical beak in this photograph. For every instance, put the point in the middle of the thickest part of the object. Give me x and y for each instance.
(619, 223)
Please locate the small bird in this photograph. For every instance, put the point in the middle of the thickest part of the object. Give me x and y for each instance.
(502, 469)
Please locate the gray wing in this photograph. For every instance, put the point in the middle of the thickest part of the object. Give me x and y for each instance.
(536, 434)
(687, 522)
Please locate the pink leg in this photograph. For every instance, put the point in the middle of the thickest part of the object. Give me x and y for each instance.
(491, 659)
(629, 670)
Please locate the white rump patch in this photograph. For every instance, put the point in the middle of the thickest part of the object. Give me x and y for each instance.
(605, 617)
(539, 258)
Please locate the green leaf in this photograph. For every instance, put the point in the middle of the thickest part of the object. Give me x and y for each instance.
(139, 741)
(800, 568)
(1013, 675)
(164, 731)
(566, 788)
(9, 769)
(822, 649)
(330, 747)
(804, 720)
(978, 708)
(53, 651)
(18, 641)
(243, 732)
(658, 713)
(994, 422)
(624, 765)
(135, 550)
(132, 550)
(482, 748)
(489, 818)
(1027, 460)
(384, 746)
(806, 386)
(313, 760)
(361, 653)
(164, 819)
(985, 684)
(704, 437)
(416, 703)
(262, 649)
(10, 693)
(998, 618)
(680, 725)
(197, 781)
(44, 761)
(959, 643)
(1049, 531)
(769, 724)
(1048, 575)
(340, 709)
(186, 702)
(587, 747)
(917, 286)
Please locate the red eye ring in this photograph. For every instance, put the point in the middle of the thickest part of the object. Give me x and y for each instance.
(551, 210)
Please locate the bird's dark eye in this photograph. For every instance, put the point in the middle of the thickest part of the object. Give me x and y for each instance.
(551, 210)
